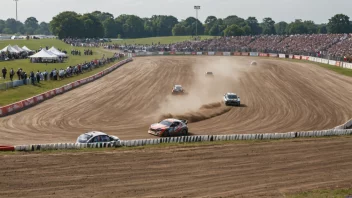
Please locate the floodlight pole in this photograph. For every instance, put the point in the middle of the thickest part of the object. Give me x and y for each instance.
(197, 8)
(16, 10)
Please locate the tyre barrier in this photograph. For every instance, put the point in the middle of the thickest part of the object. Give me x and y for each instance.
(180, 139)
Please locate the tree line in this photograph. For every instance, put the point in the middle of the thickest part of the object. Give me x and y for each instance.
(102, 24)
(29, 27)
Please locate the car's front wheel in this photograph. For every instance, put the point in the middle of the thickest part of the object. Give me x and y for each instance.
(184, 132)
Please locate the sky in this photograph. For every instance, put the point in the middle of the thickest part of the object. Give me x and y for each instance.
(279, 10)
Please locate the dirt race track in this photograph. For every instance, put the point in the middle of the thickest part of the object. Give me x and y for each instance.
(277, 96)
(265, 169)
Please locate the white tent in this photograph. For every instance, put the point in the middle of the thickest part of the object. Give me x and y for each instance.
(57, 52)
(18, 48)
(44, 54)
(10, 49)
(27, 49)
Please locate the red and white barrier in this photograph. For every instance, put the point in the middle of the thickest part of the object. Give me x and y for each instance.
(29, 102)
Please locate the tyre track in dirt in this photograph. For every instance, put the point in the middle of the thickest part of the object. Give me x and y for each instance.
(265, 169)
(278, 96)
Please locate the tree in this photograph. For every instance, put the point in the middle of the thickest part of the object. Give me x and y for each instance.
(252, 22)
(297, 27)
(11, 24)
(179, 30)
(93, 28)
(233, 30)
(281, 27)
(102, 16)
(2, 25)
(312, 28)
(268, 26)
(234, 20)
(111, 28)
(247, 30)
(322, 29)
(339, 23)
(31, 25)
(67, 24)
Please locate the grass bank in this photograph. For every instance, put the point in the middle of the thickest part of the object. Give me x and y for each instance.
(36, 44)
(156, 40)
(337, 193)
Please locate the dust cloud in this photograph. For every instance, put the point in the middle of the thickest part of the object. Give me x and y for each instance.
(203, 98)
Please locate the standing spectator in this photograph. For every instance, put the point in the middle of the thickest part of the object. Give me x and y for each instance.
(37, 75)
(32, 77)
(45, 75)
(19, 73)
(24, 77)
(12, 73)
(4, 72)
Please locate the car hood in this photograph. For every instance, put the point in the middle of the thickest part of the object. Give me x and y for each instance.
(158, 126)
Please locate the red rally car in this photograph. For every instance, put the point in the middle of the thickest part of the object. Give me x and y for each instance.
(169, 127)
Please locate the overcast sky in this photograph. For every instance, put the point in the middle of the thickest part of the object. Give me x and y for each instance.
(280, 10)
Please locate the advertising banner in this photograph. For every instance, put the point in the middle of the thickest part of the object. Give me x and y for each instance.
(282, 56)
(161, 53)
(254, 54)
(338, 63)
(243, 54)
(226, 53)
(332, 62)
(199, 53)
(325, 61)
(172, 53)
(180, 53)
(188, 53)
(219, 53)
(166, 53)
(273, 55)
(149, 53)
(194, 53)
(298, 57)
(263, 54)
(211, 53)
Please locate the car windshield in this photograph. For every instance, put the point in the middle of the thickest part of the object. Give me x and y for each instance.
(165, 122)
(231, 96)
(84, 138)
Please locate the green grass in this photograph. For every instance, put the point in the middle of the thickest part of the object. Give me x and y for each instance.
(16, 94)
(156, 40)
(337, 193)
(35, 44)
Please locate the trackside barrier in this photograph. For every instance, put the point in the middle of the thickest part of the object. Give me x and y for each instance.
(30, 102)
(337, 131)
(273, 55)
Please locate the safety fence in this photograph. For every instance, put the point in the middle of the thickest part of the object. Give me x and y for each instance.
(29, 102)
(183, 139)
(253, 54)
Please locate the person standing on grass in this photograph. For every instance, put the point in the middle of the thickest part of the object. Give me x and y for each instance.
(32, 77)
(12, 73)
(4, 72)
(37, 75)
(19, 73)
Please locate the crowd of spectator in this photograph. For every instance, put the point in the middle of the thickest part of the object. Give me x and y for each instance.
(59, 74)
(335, 46)
(88, 42)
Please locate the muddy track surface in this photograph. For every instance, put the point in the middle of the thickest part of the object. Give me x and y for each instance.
(276, 96)
(266, 169)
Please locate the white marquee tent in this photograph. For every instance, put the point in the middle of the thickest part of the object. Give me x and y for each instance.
(18, 48)
(57, 52)
(27, 49)
(44, 54)
(10, 49)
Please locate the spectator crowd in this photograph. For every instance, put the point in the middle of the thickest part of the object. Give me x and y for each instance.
(58, 74)
(333, 46)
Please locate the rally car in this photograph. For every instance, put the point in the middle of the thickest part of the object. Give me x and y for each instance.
(177, 89)
(210, 74)
(95, 137)
(169, 127)
(253, 63)
(231, 99)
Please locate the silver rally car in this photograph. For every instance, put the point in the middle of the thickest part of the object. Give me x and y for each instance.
(231, 99)
(96, 137)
